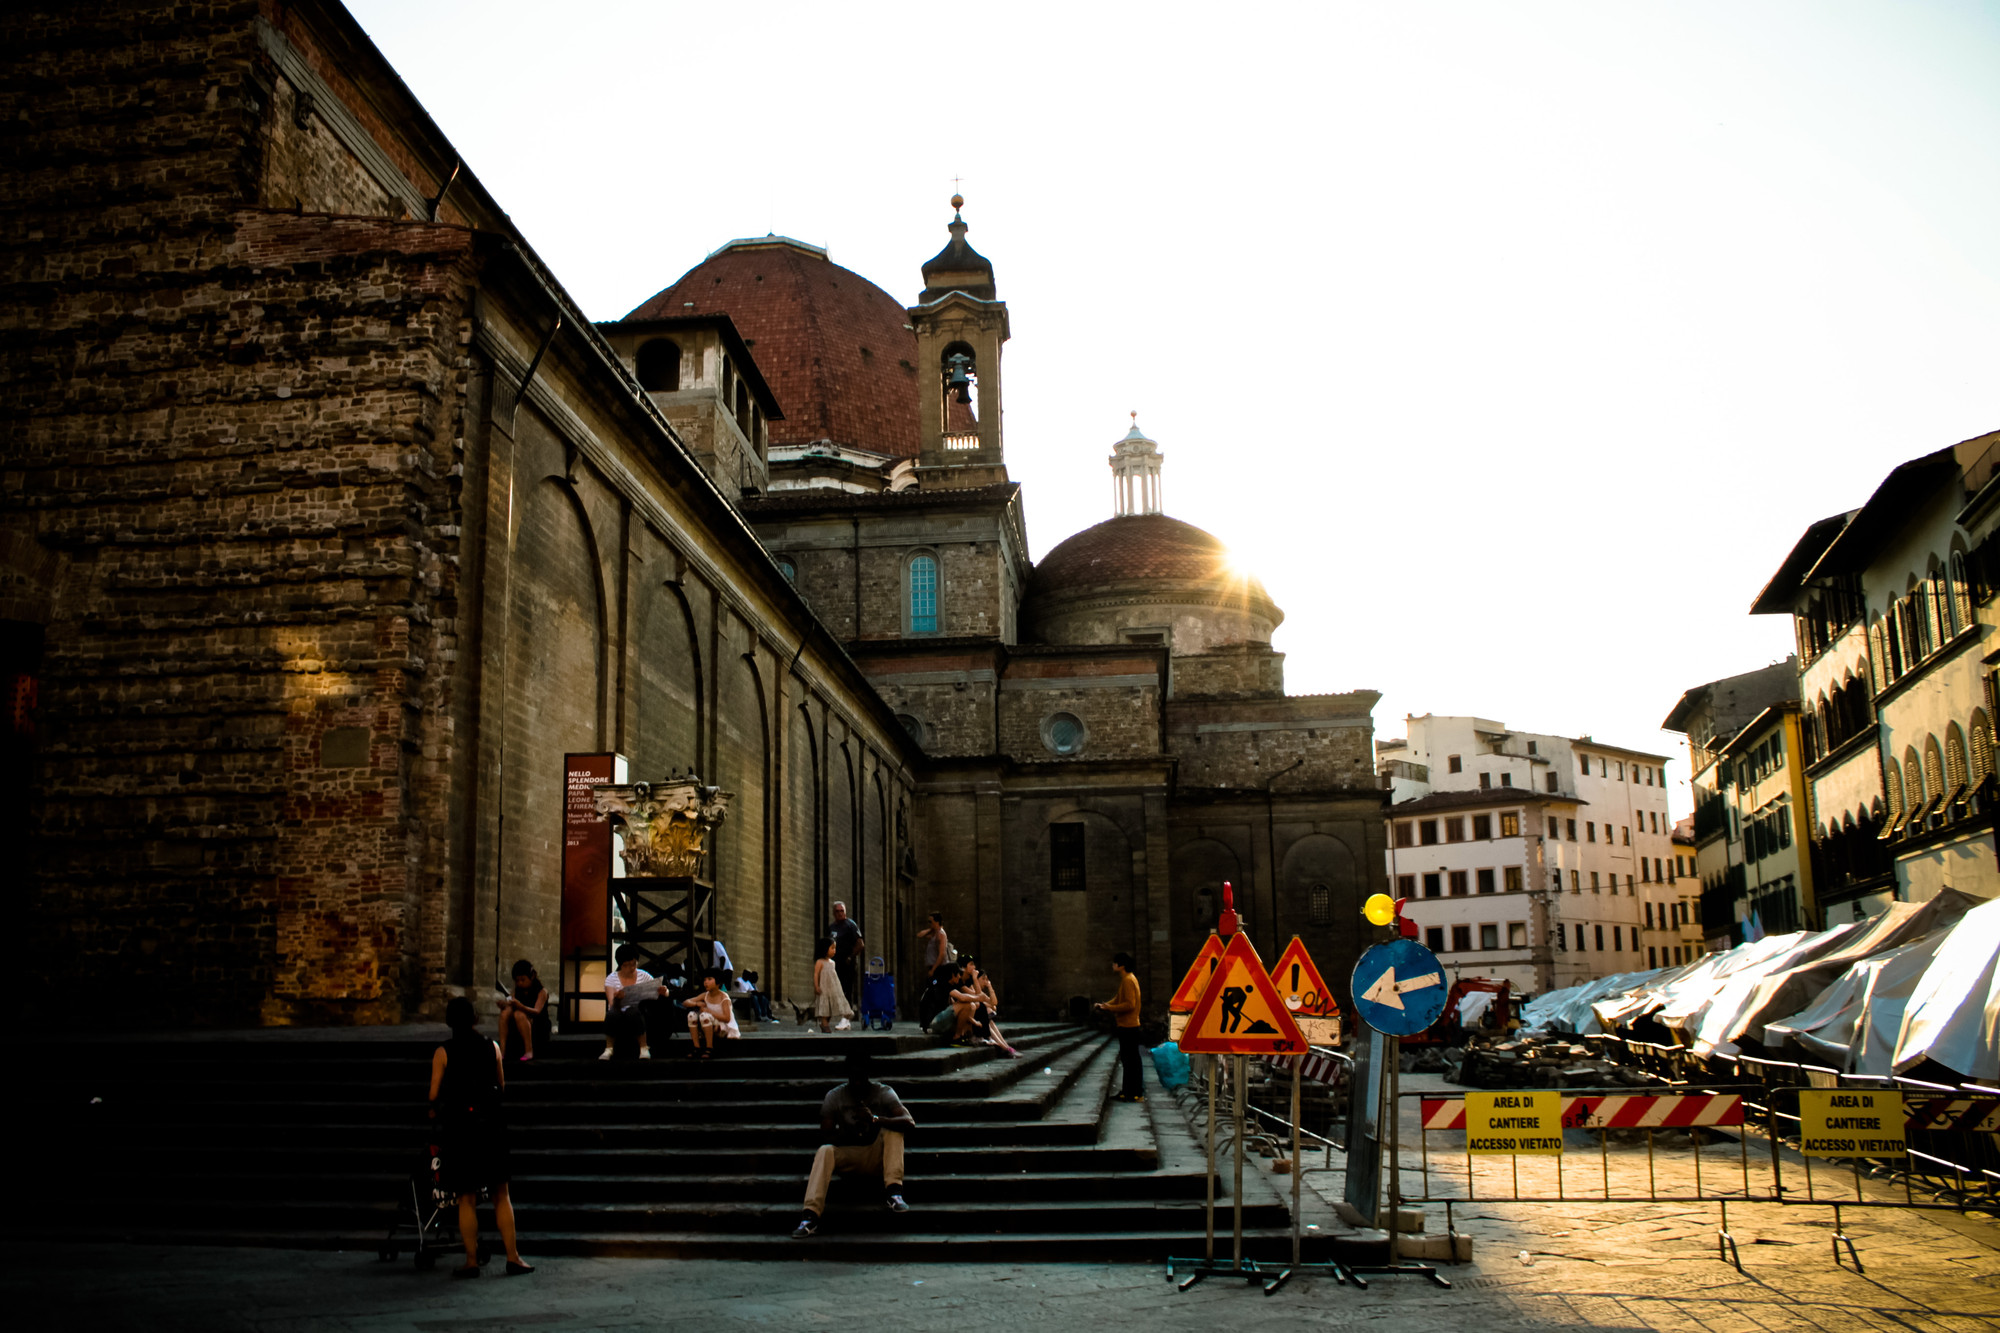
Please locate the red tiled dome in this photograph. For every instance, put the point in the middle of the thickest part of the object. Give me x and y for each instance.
(1138, 548)
(832, 345)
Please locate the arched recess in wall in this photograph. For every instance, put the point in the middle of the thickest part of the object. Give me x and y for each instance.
(1086, 865)
(742, 752)
(1200, 869)
(669, 703)
(802, 907)
(1316, 861)
(551, 706)
(842, 808)
(885, 933)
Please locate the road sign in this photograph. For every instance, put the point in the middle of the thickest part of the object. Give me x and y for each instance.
(1240, 1012)
(1844, 1122)
(1196, 980)
(1514, 1123)
(1399, 988)
(1300, 985)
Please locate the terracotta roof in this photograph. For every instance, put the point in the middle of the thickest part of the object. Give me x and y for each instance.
(819, 497)
(832, 344)
(1461, 800)
(1148, 548)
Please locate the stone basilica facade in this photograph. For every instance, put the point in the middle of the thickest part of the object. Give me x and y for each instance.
(330, 526)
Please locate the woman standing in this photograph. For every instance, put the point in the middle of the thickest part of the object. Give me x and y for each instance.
(467, 1077)
(829, 1000)
(712, 1016)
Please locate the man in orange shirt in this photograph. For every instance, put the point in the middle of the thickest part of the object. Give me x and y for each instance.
(1125, 1008)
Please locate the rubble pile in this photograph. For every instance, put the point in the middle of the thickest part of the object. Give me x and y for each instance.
(1534, 1060)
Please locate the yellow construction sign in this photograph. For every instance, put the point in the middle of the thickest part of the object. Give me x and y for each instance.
(1846, 1122)
(1240, 1012)
(1514, 1124)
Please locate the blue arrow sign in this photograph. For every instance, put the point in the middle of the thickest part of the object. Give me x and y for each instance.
(1399, 988)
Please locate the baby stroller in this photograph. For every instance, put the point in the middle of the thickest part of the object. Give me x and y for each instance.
(418, 1206)
(878, 997)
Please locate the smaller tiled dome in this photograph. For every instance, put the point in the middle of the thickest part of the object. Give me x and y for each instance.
(1132, 572)
(1143, 547)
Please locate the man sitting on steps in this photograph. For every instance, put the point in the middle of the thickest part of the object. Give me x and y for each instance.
(864, 1124)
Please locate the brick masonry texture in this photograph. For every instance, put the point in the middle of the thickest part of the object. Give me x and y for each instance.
(242, 407)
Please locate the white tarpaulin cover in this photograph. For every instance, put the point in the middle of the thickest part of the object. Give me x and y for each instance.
(1920, 981)
(1568, 1009)
(1791, 991)
(1953, 1016)
(1826, 1030)
(1472, 1006)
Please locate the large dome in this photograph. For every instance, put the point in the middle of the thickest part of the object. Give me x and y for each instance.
(835, 348)
(1144, 572)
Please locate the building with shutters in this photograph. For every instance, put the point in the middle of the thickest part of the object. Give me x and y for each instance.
(1542, 859)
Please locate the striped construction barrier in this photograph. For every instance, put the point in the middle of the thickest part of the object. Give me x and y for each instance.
(1318, 1068)
(1962, 1114)
(1638, 1111)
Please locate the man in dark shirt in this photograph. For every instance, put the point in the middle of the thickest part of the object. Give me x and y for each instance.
(863, 1124)
(845, 933)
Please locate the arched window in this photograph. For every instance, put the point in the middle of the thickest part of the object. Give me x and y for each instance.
(1878, 655)
(913, 725)
(923, 578)
(659, 366)
(1934, 784)
(743, 408)
(789, 570)
(1961, 586)
(1892, 778)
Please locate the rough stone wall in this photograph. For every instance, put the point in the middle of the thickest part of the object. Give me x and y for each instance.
(1121, 720)
(236, 427)
(1243, 744)
(1245, 671)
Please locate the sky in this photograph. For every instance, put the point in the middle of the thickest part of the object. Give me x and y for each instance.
(1512, 346)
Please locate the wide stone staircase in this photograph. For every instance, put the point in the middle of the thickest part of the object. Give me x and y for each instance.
(309, 1140)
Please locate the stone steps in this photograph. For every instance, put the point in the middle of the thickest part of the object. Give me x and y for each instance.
(311, 1143)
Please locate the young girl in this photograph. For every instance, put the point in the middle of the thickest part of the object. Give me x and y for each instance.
(712, 1016)
(975, 1014)
(829, 1001)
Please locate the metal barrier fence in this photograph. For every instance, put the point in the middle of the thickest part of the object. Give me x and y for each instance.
(1944, 1140)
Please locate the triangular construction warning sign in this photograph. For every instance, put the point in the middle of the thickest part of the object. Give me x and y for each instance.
(1196, 980)
(1300, 985)
(1240, 1012)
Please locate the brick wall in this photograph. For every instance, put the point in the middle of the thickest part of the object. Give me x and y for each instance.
(236, 428)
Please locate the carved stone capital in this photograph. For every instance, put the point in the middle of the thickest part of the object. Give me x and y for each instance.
(666, 823)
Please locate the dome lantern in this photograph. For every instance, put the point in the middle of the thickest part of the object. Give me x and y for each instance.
(1135, 474)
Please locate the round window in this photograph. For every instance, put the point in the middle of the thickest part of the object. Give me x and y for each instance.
(913, 726)
(1063, 733)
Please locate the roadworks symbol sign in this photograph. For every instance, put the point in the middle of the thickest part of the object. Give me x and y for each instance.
(1514, 1123)
(1240, 1012)
(1844, 1122)
(1196, 980)
(1300, 985)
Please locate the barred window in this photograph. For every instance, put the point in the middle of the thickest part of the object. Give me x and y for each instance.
(1319, 905)
(1066, 858)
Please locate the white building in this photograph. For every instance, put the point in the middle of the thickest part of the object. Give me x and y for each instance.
(1545, 860)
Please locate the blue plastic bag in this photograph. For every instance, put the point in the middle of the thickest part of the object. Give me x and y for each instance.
(1171, 1065)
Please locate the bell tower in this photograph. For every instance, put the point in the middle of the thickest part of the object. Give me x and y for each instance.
(960, 324)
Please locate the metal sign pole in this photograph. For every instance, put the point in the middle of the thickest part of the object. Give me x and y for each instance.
(1394, 1085)
(1214, 1071)
(1236, 1091)
(1298, 1072)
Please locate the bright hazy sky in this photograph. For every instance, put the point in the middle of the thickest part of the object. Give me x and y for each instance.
(1511, 345)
